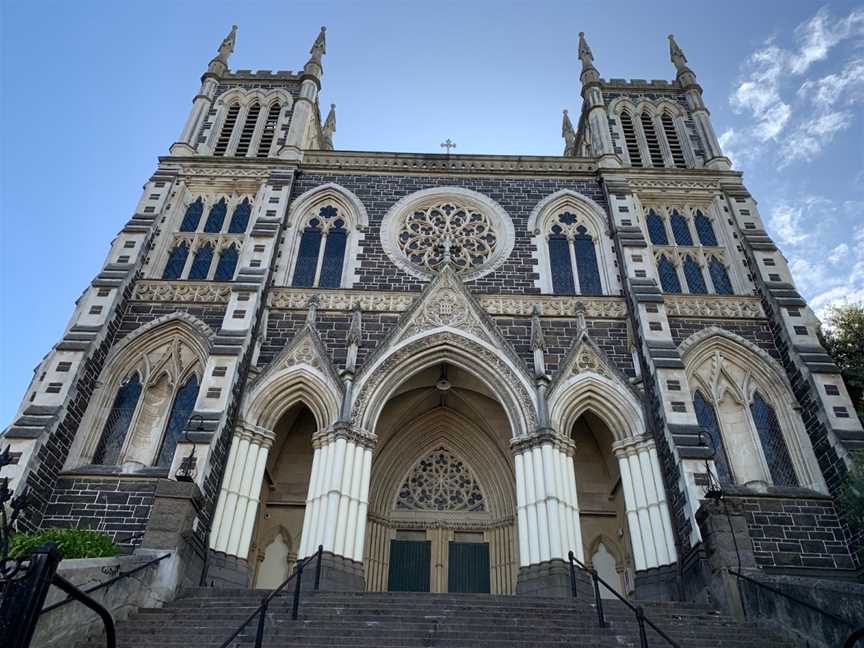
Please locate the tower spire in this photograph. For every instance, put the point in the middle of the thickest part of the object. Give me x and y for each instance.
(329, 128)
(589, 72)
(226, 48)
(319, 48)
(569, 135)
(676, 54)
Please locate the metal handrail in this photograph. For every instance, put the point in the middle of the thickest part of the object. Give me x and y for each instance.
(638, 610)
(261, 610)
(77, 595)
(774, 590)
(107, 583)
(853, 638)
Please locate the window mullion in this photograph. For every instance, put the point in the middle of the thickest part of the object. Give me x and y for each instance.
(190, 258)
(571, 246)
(320, 261)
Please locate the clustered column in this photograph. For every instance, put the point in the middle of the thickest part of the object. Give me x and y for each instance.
(547, 507)
(241, 488)
(645, 498)
(338, 497)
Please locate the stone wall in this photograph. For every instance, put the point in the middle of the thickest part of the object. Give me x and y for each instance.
(756, 331)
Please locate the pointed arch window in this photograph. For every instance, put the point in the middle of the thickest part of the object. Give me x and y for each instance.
(559, 260)
(227, 129)
(572, 257)
(673, 141)
(321, 252)
(201, 263)
(248, 130)
(707, 418)
(176, 261)
(586, 263)
(630, 139)
(184, 403)
(240, 218)
(269, 131)
(216, 217)
(227, 264)
(119, 419)
(693, 275)
(680, 229)
(192, 217)
(773, 444)
(719, 277)
(704, 229)
(651, 139)
(656, 229)
(668, 275)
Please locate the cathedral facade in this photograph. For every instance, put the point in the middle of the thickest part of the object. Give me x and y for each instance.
(449, 371)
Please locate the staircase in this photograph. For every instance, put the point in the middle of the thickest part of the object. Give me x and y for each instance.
(204, 618)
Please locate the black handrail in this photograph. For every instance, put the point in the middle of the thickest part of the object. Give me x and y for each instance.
(774, 590)
(641, 619)
(261, 610)
(107, 583)
(77, 595)
(853, 638)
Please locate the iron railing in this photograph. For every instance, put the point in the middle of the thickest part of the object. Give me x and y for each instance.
(638, 610)
(261, 610)
(854, 638)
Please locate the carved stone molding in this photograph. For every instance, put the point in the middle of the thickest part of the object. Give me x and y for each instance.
(667, 185)
(237, 171)
(396, 302)
(345, 431)
(182, 291)
(732, 307)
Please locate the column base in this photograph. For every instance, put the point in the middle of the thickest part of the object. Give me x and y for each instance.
(338, 574)
(552, 578)
(227, 571)
(181, 148)
(657, 584)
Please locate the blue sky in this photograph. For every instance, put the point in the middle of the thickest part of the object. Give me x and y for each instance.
(93, 92)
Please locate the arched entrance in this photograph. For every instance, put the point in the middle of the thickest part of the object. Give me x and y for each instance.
(442, 492)
(283, 498)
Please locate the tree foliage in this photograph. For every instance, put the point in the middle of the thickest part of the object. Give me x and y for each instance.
(843, 338)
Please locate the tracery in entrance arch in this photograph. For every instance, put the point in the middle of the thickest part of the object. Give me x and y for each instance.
(440, 481)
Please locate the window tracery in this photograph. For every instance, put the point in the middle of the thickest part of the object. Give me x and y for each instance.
(572, 256)
(321, 252)
(440, 481)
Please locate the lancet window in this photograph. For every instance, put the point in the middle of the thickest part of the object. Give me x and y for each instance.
(652, 134)
(320, 257)
(630, 139)
(227, 129)
(572, 256)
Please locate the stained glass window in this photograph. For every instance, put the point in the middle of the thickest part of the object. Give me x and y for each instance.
(216, 217)
(192, 216)
(330, 224)
(586, 263)
(240, 218)
(704, 229)
(119, 419)
(307, 256)
(773, 443)
(707, 418)
(227, 264)
(201, 263)
(440, 482)
(184, 402)
(656, 229)
(176, 261)
(720, 277)
(680, 229)
(693, 275)
(334, 256)
(668, 275)
(559, 261)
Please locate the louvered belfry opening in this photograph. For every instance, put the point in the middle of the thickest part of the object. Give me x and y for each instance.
(269, 131)
(227, 129)
(248, 130)
(673, 141)
(651, 140)
(630, 140)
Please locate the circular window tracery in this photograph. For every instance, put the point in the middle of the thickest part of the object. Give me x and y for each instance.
(440, 482)
(427, 230)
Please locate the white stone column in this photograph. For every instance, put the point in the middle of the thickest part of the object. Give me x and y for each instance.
(547, 509)
(237, 507)
(338, 497)
(645, 498)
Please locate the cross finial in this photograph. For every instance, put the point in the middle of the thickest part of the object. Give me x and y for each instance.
(448, 145)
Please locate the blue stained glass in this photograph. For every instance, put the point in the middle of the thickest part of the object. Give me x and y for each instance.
(240, 218)
(328, 211)
(773, 443)
(707, 418)
(586, 265)
(184, 402)
(559, 262)
(307, 258)
(334, 257)
(227, 264)
(201, 263)
(668, 276)
(192, 216)
(656, 230)
(176, 262)
(567, 218)
(693, 275)
(117, 426)
(216, 217)
(719, 277)
(680, 229)
(704, 229)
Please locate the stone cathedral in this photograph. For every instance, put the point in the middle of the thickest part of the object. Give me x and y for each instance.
(447, 370)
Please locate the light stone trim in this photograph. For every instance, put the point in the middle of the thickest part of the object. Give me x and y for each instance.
(714, 306)
(153, 290)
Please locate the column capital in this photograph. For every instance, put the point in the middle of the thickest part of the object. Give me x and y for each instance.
(540, 437)
(633, 445)
(255, 434)
(344, 430)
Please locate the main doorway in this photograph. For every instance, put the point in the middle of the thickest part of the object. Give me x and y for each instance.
(411, 567)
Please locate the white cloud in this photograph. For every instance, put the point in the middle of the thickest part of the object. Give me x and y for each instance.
(838, 254)
(810, 137)
(827, 91)
(786, 221)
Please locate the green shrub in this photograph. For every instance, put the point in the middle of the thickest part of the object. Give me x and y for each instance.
(72, 543)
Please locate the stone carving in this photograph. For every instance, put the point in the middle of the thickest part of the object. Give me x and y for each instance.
(713, 306)
(225, 172)
(183, 291)
(303, 353)
(447, 308)
(586, 359)
(674, 185)
(440, 482)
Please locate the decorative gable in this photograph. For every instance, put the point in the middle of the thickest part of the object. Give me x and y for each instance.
(307, 349)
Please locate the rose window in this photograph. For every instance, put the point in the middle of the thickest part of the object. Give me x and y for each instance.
(440, 482)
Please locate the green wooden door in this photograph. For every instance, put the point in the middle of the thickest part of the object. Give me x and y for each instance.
(409, 565)
(468, 568)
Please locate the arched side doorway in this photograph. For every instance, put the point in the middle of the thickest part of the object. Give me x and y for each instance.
(442, 505)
